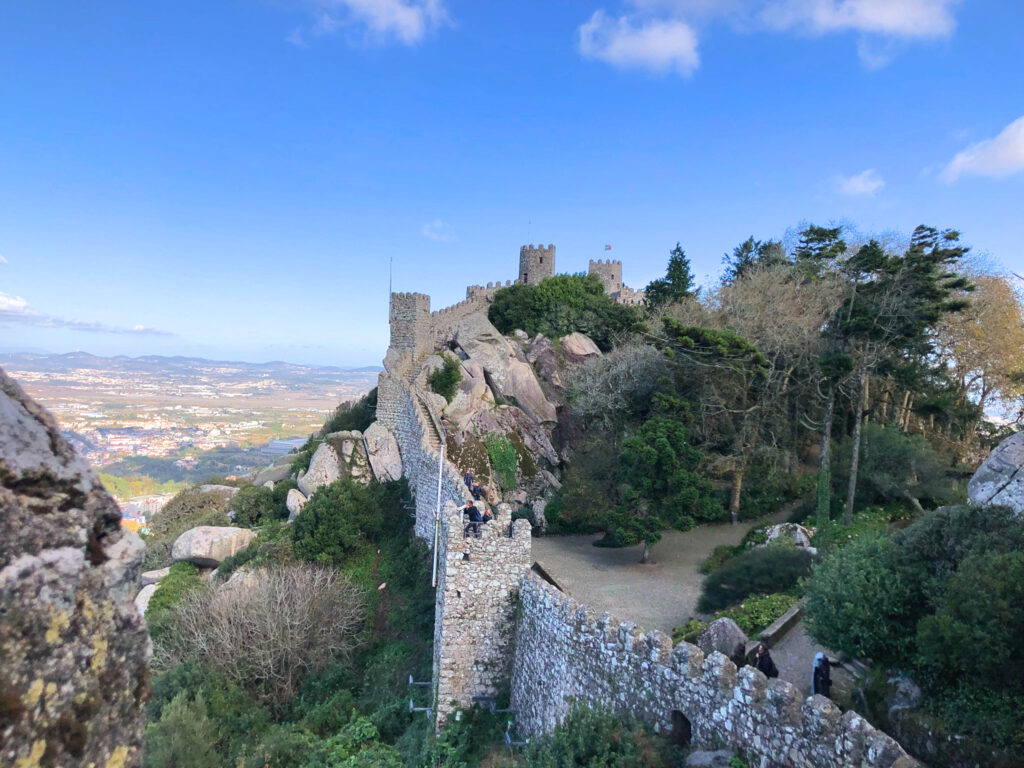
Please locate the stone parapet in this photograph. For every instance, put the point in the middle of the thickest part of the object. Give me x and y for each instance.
(566, 655)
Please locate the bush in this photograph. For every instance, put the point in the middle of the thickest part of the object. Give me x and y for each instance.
(755, 614)
(252, 505)
(593, 738)
(285, 623)
(188, 509)
(503, 460)
(182, 579)
(445, 380)
(689, 632)
(590, 489)
(356, 415)
(340, 516)
(757, 571)
(272, 546)
(857, 604)
(183, 736)
(560, 305)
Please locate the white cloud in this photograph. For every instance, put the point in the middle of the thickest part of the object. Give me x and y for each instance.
(3, 260)
(437, 230)
(658, 45)
(996, 157)
(14, 309)
(864, 184)
(404, 21)
(895, 18)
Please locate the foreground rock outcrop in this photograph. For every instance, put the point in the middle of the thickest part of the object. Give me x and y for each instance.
(1000, 478)
(74, 675)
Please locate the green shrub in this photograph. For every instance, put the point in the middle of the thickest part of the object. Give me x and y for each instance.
(356, 415)
(188, 509)
(764, 570)
(560, 305)
(503, 460)
(590, 489)
(179, 581)
(341, 516)
(280, 493)
(252, 505)
(871, 521)
(183, 736)
(756, 613)
(272, 546)
(592, 738)
(858, 604)
(445, 380)
(689, 632)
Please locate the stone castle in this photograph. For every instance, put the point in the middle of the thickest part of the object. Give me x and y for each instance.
(499, 627)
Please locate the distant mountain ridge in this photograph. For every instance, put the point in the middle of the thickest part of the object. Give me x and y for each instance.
(56, 363)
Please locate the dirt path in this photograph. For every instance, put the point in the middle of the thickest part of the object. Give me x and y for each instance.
(660, 594)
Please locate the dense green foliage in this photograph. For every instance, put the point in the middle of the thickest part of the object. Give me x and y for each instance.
(561, 305)
(504, 461)
(760, 571)
(677, 284)
(445, 380)
(252, 505)
(753, 616)
(593, 738)
(942, 599)
(339, 517)
(189, 509)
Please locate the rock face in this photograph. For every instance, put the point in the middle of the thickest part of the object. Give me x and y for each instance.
(385, 460)
(74, 678)
(340, 454)
(792, 531)
(1000, 478)
(153, 577)
(208, 545)
(723, 635)
(280, 470)
(227, 490)
(295, 501)
(577, 347)
(142, 599)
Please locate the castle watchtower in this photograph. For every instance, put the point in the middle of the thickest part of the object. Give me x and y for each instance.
(410, 323)
(610, 273)
(536, 263)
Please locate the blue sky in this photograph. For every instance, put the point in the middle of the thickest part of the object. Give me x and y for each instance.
(230, 179)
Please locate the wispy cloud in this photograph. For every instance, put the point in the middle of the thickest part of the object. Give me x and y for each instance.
(439, 231)
(662, 35)
(999, 156)
(864, 184)
(379, 21)
(2, 260)
(14, 309)
(657, 45)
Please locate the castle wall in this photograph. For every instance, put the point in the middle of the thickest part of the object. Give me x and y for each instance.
(475, 609)
(535, 264)
(565, 654)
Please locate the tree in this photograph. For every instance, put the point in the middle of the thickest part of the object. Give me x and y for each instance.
(183, 737)
(677, 284)
(252, 505)
(752, 254)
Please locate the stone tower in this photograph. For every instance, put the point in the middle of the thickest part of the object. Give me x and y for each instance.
(410, 323)
(610, 273)
(536, 263)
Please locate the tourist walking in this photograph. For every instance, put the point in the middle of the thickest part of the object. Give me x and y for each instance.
(468, 479)
(821, 678)
(763, 661)
(474, 520)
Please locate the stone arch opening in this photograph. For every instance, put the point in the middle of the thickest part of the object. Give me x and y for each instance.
(682, 732)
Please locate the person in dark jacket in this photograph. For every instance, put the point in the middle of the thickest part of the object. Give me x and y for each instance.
(468, 479)
(474, 520)
(763, 661)
(477, 491)
(821, 678)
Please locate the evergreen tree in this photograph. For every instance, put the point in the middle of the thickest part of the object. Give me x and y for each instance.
(675, 286)
(752, 253)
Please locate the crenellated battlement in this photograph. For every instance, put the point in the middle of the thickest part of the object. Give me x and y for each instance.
(608, 262)
(565, 655)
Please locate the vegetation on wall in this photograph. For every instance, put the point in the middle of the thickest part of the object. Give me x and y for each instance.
(445, 380)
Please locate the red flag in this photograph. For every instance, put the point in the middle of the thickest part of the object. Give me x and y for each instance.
(607, 247)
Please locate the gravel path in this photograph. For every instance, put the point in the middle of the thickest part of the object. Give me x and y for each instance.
(659, 594)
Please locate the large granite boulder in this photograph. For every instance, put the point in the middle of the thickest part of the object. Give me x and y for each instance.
(1000, 478)
(541, 355)
(324, 469)
(227, 491)
(145, 595)
(74, 676)
(154, 577)
(340, 454)
(275, 473)
(725, 636)
(576, 347)
(382, 448)
(209, 545)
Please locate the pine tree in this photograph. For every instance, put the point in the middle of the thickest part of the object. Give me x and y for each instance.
(675, 286)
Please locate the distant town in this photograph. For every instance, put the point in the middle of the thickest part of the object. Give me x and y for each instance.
(149, 425)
